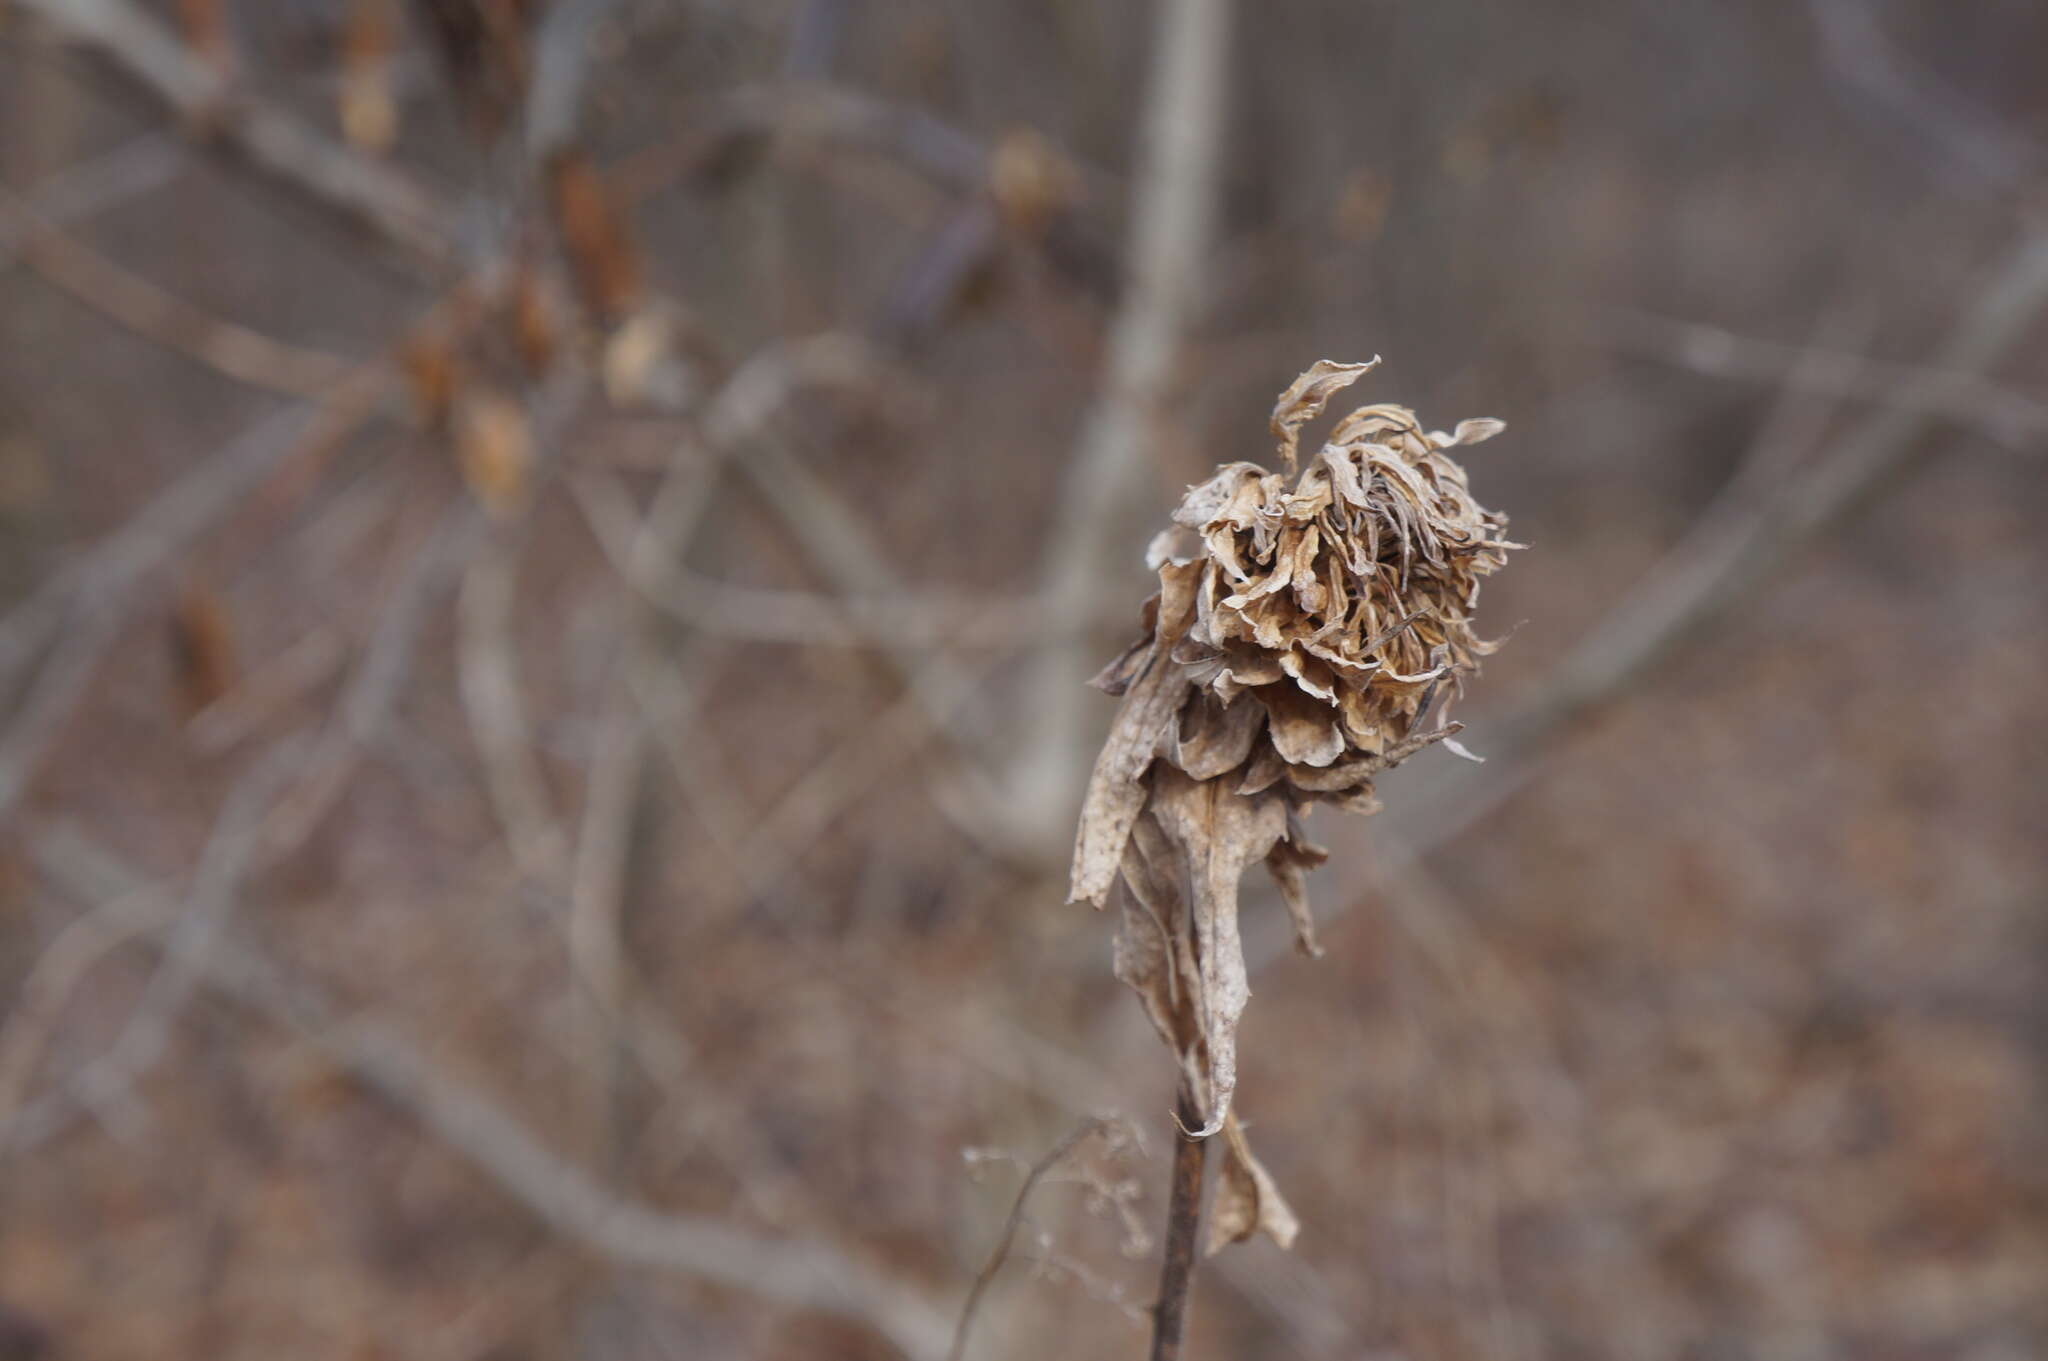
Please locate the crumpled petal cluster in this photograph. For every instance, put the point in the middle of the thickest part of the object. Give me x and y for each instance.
(1309, 630)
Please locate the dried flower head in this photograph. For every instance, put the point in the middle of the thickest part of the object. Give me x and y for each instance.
(1304, 630)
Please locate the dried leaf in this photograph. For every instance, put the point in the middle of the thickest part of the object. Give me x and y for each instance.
(1307, 395)
(1150, 710)
(1216, 834)
(1246, 1200)
(1289, 862)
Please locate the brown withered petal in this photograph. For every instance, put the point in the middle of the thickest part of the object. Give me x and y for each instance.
(1310, 631)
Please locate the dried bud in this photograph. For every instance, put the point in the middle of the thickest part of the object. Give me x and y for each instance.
(494, 448)
(1303, 630)
(202, 648)
(368, 99)
(1032, 182)
(595, 235)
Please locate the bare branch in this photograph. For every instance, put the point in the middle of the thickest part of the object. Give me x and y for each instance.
(1724, 560)
(369, 193)
(1970, 400)
(129, 171)
(230, 851)
(807, 1275)
(83, 604)
(1962, 137)
(561, 70)
(245, 355)
(493, 703)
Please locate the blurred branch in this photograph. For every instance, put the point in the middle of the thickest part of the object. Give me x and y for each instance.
(1170, 237)
(366, 192)
(829, 532)
(245, 355)
(823, 524)
(459, 534)
(600, 887)
(809, 1275)
(808, 111)
(1967, 399)
(1963, 137)
(1727, 557)
(561, 71)
(815, 37)
(129, 171)
(82, 604)
(191, 937)
(487, 673)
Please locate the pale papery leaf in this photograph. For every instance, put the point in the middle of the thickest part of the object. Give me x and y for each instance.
(1246, 1200)
(1216, 835)
(1306, 397)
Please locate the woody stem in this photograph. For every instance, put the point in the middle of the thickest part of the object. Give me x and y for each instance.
(1183, 1224)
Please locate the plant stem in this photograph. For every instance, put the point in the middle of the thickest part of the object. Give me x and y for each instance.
(1183, 1225)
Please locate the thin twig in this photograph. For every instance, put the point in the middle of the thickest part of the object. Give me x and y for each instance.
(129, 300)
(807, 1274)
(230, 852)
(129, 171)
(83, 604)
(1966, 141)
(493, 703)
(1085, 1130)
(561, 70)
(369, 193)
(1970, 400)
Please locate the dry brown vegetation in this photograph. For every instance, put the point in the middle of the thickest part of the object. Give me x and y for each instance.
(550, 554)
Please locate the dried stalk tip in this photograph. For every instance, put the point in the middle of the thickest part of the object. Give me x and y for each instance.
(1304, 631)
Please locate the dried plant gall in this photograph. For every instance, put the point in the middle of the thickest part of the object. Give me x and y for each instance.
(1310, 631)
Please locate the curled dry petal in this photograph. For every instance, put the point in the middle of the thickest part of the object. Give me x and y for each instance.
(1309, 632)
(1306, 397)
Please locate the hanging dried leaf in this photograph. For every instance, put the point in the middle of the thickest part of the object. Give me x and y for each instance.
(1307, 633)
(1246, 1200)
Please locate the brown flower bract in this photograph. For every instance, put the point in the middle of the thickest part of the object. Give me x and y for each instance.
(1298, 644)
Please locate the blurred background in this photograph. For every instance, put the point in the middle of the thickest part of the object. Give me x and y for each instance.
(550, 553)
